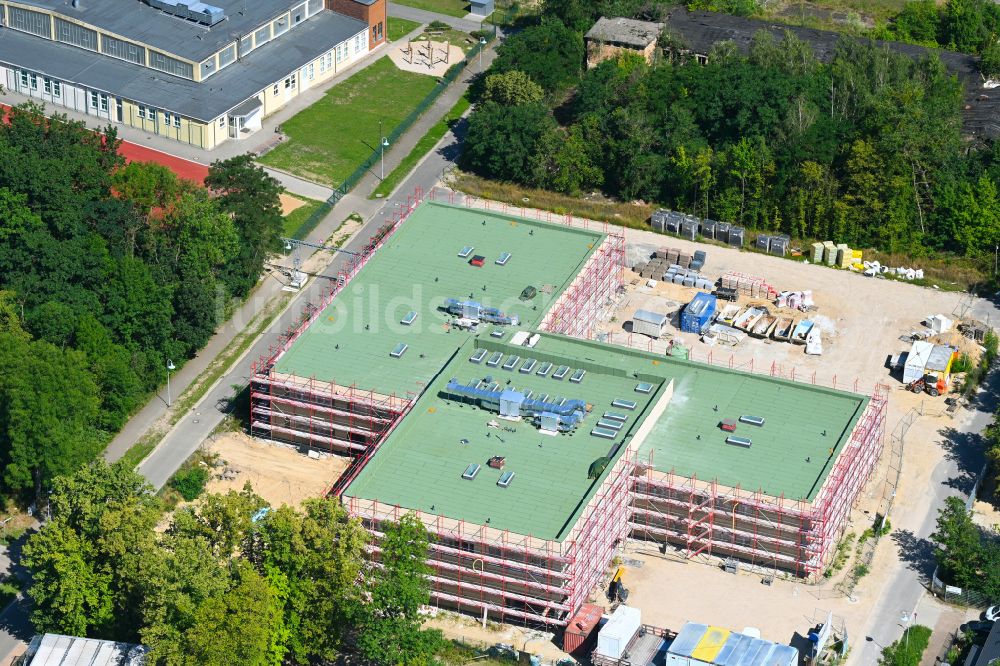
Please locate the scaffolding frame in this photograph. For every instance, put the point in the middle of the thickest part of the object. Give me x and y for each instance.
(576, 310)
(508, 576)
(323, 414)
(707, 518)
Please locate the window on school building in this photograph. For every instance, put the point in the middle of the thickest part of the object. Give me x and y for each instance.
(26, 20)
(311, 71)
(117, 48)
(76, 34)
(47, 86)
(93, 100)
(56, 89)
(142, 112)
(104, 102)
(177, 121)
(34, 81)
(165, 63)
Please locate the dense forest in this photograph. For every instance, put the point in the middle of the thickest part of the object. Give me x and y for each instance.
(866, 149)
(230, 580)
(107, 272)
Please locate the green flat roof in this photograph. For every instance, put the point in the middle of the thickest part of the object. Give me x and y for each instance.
(415, 271)
(805, 428)
(800, 421)
(420, 465)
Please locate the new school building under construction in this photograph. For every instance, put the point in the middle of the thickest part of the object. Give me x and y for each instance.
(454, 360)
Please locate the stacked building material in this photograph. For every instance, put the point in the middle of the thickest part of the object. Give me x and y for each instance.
(829, 253)
(817, 253)
(751, 285)
(779, 245)
(844, 255)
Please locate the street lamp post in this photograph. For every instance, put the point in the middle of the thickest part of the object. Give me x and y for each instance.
(381, 170)
(482, 45)
(170, 367)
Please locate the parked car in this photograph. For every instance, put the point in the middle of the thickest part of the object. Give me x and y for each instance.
(992, 614)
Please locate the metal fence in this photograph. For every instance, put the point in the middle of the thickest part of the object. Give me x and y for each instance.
(866, 552)
(352, 180)
(957, 595)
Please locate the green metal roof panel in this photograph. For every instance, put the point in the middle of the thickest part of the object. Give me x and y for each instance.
(415, 271)
(420, 465)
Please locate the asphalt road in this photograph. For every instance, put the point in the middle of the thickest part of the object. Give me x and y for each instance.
(198, 423)
(953, 475)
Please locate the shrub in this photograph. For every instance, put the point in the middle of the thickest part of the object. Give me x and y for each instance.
(908, 650)
(963, 364)
(190, 483)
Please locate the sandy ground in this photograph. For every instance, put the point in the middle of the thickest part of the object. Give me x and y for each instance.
(289, 203)
(862, 320)
(279, 474)
(468, 630)
(444, 56)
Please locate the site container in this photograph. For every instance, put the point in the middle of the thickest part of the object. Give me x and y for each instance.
(648, 323)
(698, 313)
(618, 632)
(580, 631)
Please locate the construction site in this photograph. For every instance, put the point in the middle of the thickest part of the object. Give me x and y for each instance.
(459, 362)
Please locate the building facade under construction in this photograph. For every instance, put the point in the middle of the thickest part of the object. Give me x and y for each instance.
(532, 453)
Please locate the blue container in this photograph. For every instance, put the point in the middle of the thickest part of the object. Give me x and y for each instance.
(697, 315)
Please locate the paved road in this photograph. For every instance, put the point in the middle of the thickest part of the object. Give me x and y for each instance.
(195, 426)
(427, 174)
(424, 16)
(908, 587)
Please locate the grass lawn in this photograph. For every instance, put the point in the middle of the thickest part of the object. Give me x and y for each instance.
(328, 140)
(295, 219)
(398, 27)
(457, 8)
(462, 40)
(424, 146)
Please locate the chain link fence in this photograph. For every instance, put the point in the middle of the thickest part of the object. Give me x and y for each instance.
(352, 180)
(867, 550)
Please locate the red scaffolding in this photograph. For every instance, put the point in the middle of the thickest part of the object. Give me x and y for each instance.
(576, 310)
(513, 577)
(323, 414)
(706, 518)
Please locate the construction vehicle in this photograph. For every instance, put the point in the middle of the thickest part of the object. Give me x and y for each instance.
(617, 591)
(929, 384)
